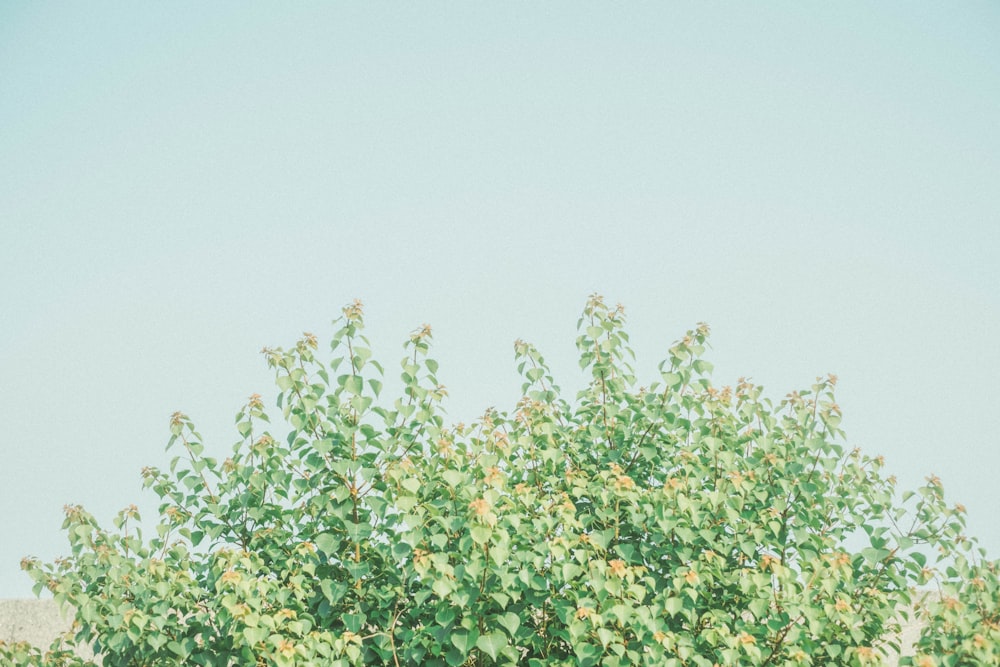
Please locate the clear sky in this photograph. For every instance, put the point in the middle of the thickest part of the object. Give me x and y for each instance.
(183, 183)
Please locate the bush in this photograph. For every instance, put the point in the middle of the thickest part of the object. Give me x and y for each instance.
(676, 524)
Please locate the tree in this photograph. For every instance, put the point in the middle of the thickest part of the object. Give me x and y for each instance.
(674, 524)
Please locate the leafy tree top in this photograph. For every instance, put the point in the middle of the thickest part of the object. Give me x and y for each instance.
(675, 523)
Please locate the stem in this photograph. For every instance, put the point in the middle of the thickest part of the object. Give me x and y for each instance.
(545, 388)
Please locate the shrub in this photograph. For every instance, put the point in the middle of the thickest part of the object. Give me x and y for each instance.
(674, 524)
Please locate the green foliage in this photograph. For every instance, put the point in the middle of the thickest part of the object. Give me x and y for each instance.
(676, 524)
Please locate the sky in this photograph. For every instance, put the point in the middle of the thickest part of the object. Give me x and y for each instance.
(184, 183)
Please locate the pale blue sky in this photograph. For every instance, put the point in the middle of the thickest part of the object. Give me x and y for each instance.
(183, 183)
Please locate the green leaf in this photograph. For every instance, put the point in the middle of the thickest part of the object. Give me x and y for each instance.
(464, 639)
(444, 616)
(255, 635)
(354, 384)
(587, 654)
(759, 607)
(328, 543)
(356, 532)
(454, 478)
(333, 591)
(570, 571)
(701, 366)
(177, 648)
(480, 533)
(873, 556)
(606, 636)
(510, 622)
(353, 622)
(492, 643)
(673, 605)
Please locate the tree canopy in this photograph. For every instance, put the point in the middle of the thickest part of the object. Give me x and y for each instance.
(675, 523)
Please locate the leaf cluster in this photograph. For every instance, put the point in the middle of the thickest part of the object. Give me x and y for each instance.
(675, 524)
